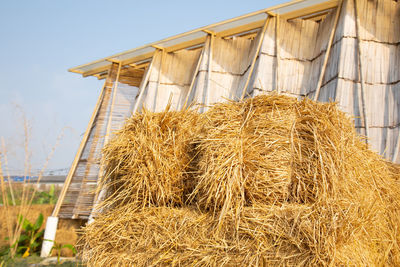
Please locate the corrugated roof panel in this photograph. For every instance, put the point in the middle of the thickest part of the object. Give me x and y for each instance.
(91, 66)
(288, 8)
(238, 23)
(134, 53)
(182, 39)
(297, 6)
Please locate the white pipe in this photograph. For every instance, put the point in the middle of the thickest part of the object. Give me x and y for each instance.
(49, 236)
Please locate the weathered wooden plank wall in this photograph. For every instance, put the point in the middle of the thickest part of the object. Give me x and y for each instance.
(86, 172)
(230, 63)
(170, 78)
(79, 197)
(302, 47)
(220, 70)
(301, 57)
(379, 42)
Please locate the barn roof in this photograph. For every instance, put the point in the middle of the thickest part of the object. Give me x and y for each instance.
(310, 9)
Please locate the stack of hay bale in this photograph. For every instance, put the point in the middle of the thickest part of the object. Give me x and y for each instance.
(267, 181)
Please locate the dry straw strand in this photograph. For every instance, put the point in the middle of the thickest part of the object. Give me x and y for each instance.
(266, 181)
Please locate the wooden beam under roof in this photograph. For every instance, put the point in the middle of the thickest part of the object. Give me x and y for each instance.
(149, 55)
(322, 6)
(317, 18)
(124, 62)
(139, 67)
(129, 75)
(75, 71)
(140, 64)
(183, 45)
(244, 28)
(186, 44)
(311, 10)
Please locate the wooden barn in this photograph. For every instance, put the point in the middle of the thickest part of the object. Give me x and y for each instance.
(328, 50)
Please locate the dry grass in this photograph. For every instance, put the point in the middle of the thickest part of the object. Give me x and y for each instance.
(29, 190)
(277, 182)
(149, 161)
(66, 232)
(245, 155)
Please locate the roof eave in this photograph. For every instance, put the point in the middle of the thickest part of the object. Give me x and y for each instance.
(290, 10)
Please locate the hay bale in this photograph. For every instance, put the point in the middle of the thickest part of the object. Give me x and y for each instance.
(153, 236)
(275, 151)
(148, 160)
(244, 154)
(164, 236)
(276, 182)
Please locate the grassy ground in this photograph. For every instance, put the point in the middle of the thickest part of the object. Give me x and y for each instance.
(66, 228)
(37, 261)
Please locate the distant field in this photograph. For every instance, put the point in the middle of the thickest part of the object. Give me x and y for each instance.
(44, 194)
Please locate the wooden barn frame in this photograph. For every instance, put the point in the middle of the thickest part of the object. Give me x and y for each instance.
(328, 50)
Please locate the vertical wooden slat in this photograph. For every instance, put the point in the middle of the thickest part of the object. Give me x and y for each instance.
(193, 79)
(81, 147)
(109, 123)
(106, 139)
(114, 96)
(396, 148)
(84, 200)
(209, 68)
(143, 85)
(328, 50)
(361, 73)
(159, 80)
(277, 52)
(256, 54)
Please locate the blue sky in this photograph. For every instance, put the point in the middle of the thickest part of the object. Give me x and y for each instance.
(41, 39)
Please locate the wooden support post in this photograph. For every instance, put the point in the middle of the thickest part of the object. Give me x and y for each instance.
(396, 148)
(99, 122)
(360, 71)
(328, 50)
(113, 60)
(209, 67)
(209, 32)
(101, 191)
(277, 18)
(158, 47)
(159, 80)
(256, 54)
(114, 96)
(143, 86)
(193, 79)
(79, 153)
